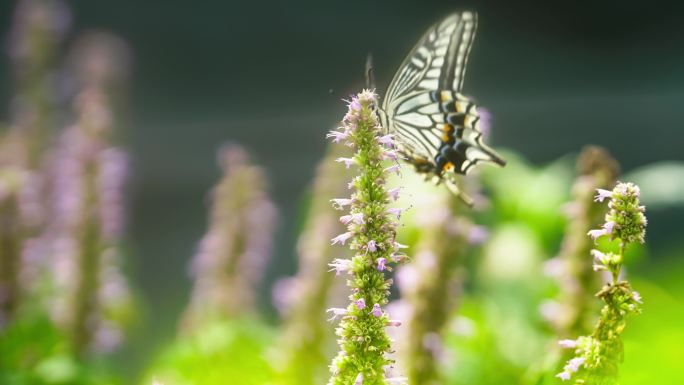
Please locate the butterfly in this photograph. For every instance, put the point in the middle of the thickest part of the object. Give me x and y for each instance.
(437, 127)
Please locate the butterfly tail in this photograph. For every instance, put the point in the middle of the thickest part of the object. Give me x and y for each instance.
(452, 185)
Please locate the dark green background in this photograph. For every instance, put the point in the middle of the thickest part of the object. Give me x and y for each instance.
(555, 75)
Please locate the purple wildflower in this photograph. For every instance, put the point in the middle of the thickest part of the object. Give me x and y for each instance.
(355, 105)
(341, 265)
(347, 161)
(567, 344)
(394, 168)
(339, 204)
(356, 218)
(395, 211)
(381, 262)
(574, 364)
(360, 303)
(336, 312)
(371, 246)
(602, 194)
(337, 136)
(377, 310)
(609, 226)
(342, 238)
(387, 140)
(394, 193)
(478, 235)
(595, 234)
(390, 154)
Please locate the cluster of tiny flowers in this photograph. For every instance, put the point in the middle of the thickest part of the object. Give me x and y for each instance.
(86, 179)
(597, 356)
(371, 229)
(625, 220)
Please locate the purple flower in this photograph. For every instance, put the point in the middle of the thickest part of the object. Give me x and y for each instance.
(337, 136)
(368, 96)
(390, 154)
(477, 235)
(341, 265)
(567, 344)
(394, 193)
(395, 211)
(563, 376)
(339, 204)
(359, 379)
(602, 194)
(356, 218)
(609, 226)
(394, 168)
(387, 140)
(397, 380)
(377, 310)
(360, 303)
(355, 105)
(342, 238)
(336, 312)
(574, 364)
(397, 258)
(595, 234)
(607, 229)
(381, 263)
(347, 161)
(371, 246)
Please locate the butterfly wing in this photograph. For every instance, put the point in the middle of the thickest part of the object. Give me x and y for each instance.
(437, 127)
(438, 60)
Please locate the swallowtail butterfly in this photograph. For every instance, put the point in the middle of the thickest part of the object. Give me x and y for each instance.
(436, 126)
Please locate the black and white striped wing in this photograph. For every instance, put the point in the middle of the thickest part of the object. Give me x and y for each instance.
(429, 121)
(439, 59)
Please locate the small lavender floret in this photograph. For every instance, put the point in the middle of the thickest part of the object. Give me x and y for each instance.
(377, 310)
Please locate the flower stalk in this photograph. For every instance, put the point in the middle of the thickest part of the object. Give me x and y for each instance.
(574, 311)
(231, 257)
(87, 173)
(37, 31)
(371, 230)
(38, 27)
(598, 355)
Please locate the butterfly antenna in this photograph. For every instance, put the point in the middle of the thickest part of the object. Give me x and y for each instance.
(370, 72)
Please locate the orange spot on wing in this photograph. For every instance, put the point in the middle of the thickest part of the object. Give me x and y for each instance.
(448, 129)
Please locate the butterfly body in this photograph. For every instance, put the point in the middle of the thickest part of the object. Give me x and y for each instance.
(437, 127)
